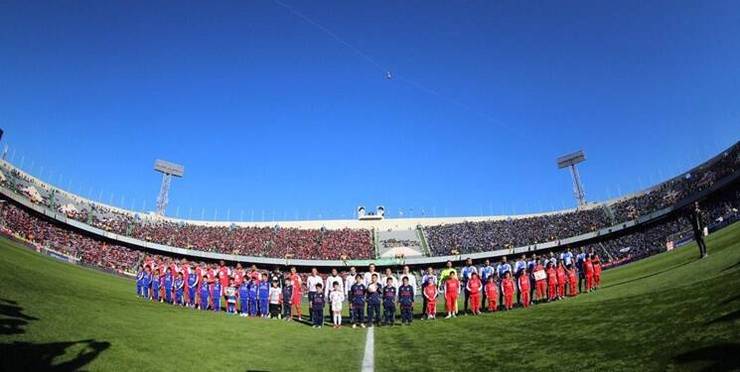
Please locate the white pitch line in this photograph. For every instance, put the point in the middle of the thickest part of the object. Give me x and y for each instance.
(368, 361)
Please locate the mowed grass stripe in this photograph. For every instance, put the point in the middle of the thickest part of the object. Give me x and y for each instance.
(72, 303)
(670, 311)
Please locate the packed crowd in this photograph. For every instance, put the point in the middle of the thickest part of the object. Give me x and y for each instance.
(345, 244)
(22, 224)
(484, 236)
(469, 237)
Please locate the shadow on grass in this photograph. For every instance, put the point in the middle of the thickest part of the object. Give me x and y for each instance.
(732, 316)
(648, 275)
(736, 264)
(12, 319)
(720, 357)
(28, 356)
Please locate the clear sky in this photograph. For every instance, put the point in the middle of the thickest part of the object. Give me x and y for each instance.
(282, 109)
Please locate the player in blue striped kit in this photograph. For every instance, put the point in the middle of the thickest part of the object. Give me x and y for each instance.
(155, 285)
(317, 307)
(192, 287)
(168, 282)
(252, 297)
(357, 299)
(373, 301)
(389, 303)
(263, 297)
(243, 298)
(179, 289)
(204, 293)
(216, 293)
(406, 300)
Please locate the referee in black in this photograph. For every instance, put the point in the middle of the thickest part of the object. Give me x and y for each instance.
(697, 225)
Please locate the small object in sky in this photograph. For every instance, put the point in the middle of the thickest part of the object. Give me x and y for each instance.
(388, 75)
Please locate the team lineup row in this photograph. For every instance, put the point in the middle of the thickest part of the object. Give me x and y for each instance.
(279, 296)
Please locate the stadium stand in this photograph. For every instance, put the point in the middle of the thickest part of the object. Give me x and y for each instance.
(356, 243)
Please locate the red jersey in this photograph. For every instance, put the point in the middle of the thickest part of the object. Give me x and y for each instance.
(524, 283)
(589, 266)
(452, 286)
(255, 275)
(238, 276)
(561, 275)
(211, 275)
(475, 285)
(223, 276)
(508, 286)
(430, 291)
(296, 279)
(552, 276)
(539, 267)
(491, 290)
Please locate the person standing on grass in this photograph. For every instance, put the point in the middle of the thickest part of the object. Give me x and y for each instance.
(466, 273)
(588, 267)
(140, 281)
(406, 273)
(179, 290)
(224, 274)
(491, 290)
(263, 295)
(523, 285)
(429, 279)
(311, 282)
(204, 289)
(331, 280)
(519, 266)
(168, 283)
(216, 292)
(193, 283)
(244, 298)
(552, 282)
(406, 300)
(155, 285)
(596, 261)
(430, 293)
(349, 281)
(485, 272)
(295, 301)
(561, 279)
(389, 302)
(572, 281)
(452, 290)
(697, 226)
(230, 294)
(317, 306)
(358, 294)
(580, 260)
(336, 300)
(445, 273)
(507, 287)
(287, 298)
(373, 301)
(474, 287)
(503, 268)
(540, 281)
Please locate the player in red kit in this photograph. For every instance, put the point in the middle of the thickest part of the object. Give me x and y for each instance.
(507, 287)
(430, 293)
(572, 281)
(561, 279)
(589, 269)
(452, 290)
(239, 275)
(540, 281)
(552, 282)
(597, 270)
(524, 288)
(224, 275)
(491, 293)
(474, 287)
(297, 292)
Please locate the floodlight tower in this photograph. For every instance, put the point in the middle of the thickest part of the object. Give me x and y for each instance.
(570, 161)
(168, 170)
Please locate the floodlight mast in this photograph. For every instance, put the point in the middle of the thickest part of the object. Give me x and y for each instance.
(168, 170)
(570, 161)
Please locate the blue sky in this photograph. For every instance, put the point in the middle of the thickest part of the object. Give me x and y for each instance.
(284, 116)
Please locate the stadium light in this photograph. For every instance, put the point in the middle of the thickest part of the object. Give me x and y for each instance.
(570, 161)
(168, 170)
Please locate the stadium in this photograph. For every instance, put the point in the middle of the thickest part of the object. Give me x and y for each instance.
(95, 285)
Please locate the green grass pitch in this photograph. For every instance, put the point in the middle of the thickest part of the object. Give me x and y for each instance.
(668, 312)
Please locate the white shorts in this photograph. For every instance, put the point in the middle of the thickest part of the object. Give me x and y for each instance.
(337, 306)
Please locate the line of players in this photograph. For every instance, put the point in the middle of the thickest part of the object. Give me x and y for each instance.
(272, 295)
